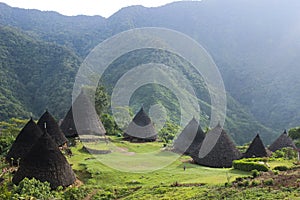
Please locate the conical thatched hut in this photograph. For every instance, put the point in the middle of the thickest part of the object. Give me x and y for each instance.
(86, 118)
(190, 139)
(141, 129)
(52, 128)
(282, 141)
(45, 162)
(256, 149)
(217, 150)
(24, 142)
(68, 125)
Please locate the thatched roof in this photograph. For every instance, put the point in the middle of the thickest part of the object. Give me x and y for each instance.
(45, 162)
(68, 126)
(86, 118)
(140, 128)
(190, 139)
(282, 141)
(256, 149)
(52, 128)
(24, 141)
(217, 150)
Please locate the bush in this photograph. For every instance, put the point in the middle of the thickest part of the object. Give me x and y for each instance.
(4, 192)
(255, 183)
(32, 188)
(276, 172)
(268, 182)
(75, 193)
(168, 132)
(104, 195)
(110, 125)
(255, 173)
(281, 168)
(285, 153)
(249, 166)
(243, 183)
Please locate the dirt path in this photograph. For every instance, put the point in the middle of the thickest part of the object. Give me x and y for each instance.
(124, 151)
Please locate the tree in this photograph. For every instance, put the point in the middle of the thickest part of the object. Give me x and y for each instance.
(110, 124)
(168, 132)
(294, 133)
(101, 100)
(100, 97)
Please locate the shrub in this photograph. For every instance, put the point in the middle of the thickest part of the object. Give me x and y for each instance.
(238, 179)
(254, 183)
(281, 168)
(276, 172)
(255, 173)
(268, 182)
(75, 193)
(104, 195)
(249, 166)
(285, 153)
(29, 188)
(243, 183)
(4, 192)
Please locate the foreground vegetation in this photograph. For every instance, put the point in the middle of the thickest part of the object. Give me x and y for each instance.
(152, 171)
(98, 181)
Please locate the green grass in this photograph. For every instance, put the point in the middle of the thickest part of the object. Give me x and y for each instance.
(147, 171)
(144, 165)
(138, 178)
(275, 163)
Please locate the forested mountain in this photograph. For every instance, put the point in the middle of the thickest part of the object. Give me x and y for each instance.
(255, 44)
(35, 75)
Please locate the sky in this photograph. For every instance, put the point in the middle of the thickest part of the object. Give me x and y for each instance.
(104, 8)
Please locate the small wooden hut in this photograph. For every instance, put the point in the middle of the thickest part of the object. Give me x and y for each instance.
(282, 141)
(24, 142)
(140, 129)
(45, 162)
(256, 149)
(217, 150)
(190, 139)
(86, 118)
(52, 128)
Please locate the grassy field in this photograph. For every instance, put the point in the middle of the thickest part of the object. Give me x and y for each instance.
(148, 171)
(142, 164)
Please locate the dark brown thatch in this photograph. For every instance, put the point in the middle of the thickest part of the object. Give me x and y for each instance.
(52, 128)
(141, 129)
(24, 142)
(256, 149)
(86, 118)
(190, 139)
(217, 150)
(68, 126)
(282, 141)
(45, 162)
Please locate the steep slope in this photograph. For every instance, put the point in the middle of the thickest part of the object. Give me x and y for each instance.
(34, 75)
(241, 125)
(254, 43)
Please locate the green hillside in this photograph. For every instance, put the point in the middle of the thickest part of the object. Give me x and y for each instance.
(35, 75)
(254, 44)
(39, 75)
